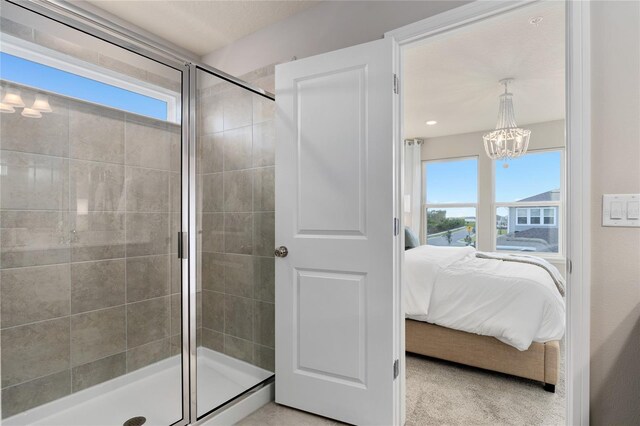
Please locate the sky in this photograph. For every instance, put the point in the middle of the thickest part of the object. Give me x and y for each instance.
(452, 181)
(18, 70)
(456, 181)
(529, 175)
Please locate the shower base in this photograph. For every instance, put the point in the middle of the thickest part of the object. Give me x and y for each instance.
(154, 392)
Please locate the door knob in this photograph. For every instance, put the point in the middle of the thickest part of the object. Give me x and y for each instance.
(281, 251)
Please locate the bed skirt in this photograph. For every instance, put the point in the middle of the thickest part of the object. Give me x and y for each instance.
(540, 362)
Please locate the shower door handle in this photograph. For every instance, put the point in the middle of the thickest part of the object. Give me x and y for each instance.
(281, 251)
(183, 245)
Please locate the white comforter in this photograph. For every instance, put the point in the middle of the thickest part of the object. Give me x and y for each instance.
(516, 303)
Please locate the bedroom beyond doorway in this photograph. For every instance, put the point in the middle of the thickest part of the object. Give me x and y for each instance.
(484, 215)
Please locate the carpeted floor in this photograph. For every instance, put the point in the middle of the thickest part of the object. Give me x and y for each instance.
(444, 393)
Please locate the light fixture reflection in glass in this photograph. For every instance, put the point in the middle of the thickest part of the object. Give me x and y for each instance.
(536, 20)
(6, 108)
(31, 113)
(41, 104)
(12, 97)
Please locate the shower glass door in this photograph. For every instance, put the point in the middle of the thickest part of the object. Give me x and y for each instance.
(234, 145)
(90, 200)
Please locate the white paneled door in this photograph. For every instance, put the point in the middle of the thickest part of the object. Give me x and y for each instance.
(335, 156)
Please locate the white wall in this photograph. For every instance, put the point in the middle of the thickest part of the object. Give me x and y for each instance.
(328, 26)
(615, 287)
(546, 135)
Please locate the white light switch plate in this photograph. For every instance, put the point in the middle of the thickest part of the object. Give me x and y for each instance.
(621, 210)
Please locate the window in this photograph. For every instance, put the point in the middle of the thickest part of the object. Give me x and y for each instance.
(534, 216)
(451, 199)
(65, 78)
(522, 216)
(549, 216)
(528, 203)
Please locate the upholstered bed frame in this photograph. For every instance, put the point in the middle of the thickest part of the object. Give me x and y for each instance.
(540, 362)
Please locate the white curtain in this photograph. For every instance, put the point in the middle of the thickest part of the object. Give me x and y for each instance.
(412, 184)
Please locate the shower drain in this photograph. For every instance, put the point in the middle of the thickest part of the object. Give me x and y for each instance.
(135, 421)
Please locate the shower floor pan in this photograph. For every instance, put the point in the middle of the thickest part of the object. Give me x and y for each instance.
(154, 392)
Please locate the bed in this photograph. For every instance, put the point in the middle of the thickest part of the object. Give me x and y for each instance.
(497, 312)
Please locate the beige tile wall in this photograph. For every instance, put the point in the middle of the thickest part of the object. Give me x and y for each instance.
(89, 277)
(236, 171)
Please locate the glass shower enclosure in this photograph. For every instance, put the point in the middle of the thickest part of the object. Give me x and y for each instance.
(234, 228)
(136, 228)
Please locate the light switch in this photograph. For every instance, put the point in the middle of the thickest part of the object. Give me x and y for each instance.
(633, 210)
(616, 210)
(621, 210)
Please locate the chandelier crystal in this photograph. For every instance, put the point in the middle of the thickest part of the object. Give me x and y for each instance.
(507, 140)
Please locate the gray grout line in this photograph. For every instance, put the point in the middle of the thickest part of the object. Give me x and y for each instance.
(269, 166)
(94, 211)
(240, 212)
(77, 262)
(126, 281)
(109, 163)
(69, 244)
(236, 337)
(253, 242)
(88, 312)
(40, 377)
(72, 367)
(241, 297)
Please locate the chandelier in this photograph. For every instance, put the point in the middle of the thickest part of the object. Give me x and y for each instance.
(507, 140)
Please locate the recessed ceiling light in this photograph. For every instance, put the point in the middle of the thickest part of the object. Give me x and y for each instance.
(431, 122)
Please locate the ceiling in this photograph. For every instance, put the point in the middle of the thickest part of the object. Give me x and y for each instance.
(453, 78)
(202, 26)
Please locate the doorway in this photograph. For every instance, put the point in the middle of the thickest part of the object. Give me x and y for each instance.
(474, 212)
(293, 128)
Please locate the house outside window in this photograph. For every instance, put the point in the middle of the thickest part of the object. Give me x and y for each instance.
(542, 216)
(532, 223)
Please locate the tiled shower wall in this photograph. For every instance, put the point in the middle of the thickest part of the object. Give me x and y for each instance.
(89, 278)
(236, 171)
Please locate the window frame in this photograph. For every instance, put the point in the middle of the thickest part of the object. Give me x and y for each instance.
(42, 55)
(426, 206)
(559, 221)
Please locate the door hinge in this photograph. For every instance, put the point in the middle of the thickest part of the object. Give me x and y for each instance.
(396, 369)
(183, 244)
(396, 226)
(396, 84)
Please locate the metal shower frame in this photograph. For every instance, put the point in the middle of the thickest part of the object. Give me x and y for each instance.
(70, 15)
